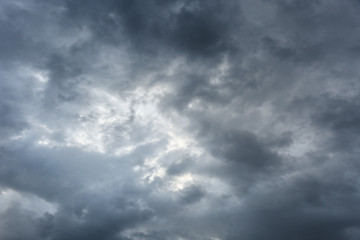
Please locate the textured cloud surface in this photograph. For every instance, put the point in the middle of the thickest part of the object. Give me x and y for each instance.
(179, 119)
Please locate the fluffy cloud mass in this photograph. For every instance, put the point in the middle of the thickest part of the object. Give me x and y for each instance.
(179, 119)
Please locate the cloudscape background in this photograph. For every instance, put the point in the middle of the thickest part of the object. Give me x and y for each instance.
(179, 119)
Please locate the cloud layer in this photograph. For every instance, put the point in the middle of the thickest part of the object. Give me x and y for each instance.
(179, 119)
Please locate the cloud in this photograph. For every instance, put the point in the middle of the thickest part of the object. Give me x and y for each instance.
(183, 119)
(192, 194)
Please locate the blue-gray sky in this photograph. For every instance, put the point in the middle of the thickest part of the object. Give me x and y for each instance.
(179, 119)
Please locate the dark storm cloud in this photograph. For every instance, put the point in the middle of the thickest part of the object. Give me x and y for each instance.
(314, 30)
(246, 158)
(192, 194)
(301, 54)
(241, 148)
(13, 97)
(82, 213)
(15, 218)
(63, 80)
(308, 39)
(336, 116)
(267, 91)
(16, 42)
(200, 28)
(12, 120)
(302, 209)
(96, 221)
(177, 168)
(27, 173)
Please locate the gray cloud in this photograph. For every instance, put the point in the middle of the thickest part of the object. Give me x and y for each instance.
(192, 194)
(184, 119)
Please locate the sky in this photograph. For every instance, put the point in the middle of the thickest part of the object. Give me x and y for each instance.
(179, 119)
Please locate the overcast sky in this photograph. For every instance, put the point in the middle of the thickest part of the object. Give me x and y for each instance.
(179, 119)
